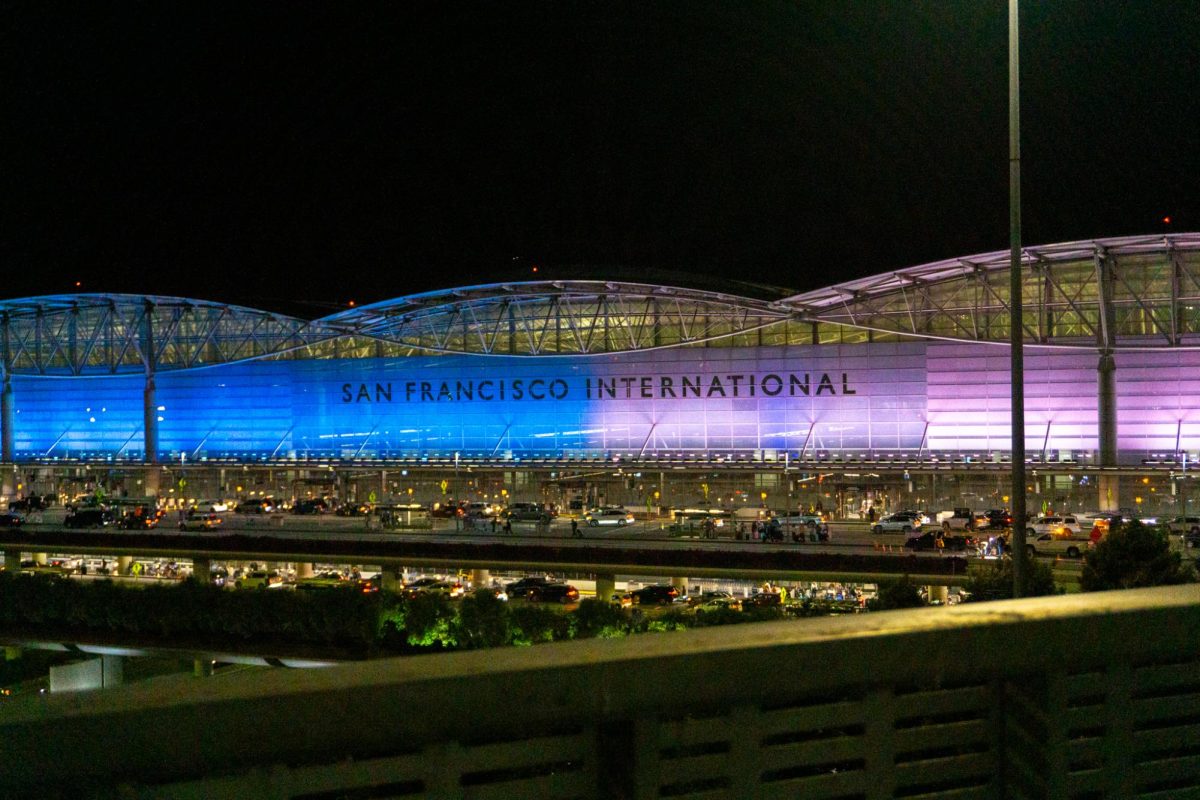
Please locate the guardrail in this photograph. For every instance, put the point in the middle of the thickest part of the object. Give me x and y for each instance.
(1069, 697)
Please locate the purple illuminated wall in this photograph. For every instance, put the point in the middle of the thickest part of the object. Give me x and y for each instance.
(831, 399)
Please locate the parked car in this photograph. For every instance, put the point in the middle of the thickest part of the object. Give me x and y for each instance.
(31, 503)
(90, 518)
(450, 588)
(255, 505)
(11, 520)
(1048, 544)
(928, 541)
(1188, 528)
(200, 521)
(317, 506)
(961, 519)
(553, 593)
(323, 581)
(655, 595)
(609, 516)
(353, 510)
(139, 521)
(902, 523)
(1054, 525)
(528, 512)
(521, 588)
(211, 506)
(258, 579)
(997, 519)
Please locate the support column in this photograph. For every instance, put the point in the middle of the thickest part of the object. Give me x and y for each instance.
(304, 569)
(40, 558)
(13, 652)
(1106, 402)
(938, 594)
(203, 667)
(201, 569)
(6, 419)
(606, 587)
(124, 563)
(1106, 397)
(481, 578)
(12, 560)
(391, 578)
(152, 482)
(149, 401)
(680, 583)
(150, 420)
(1110, 493)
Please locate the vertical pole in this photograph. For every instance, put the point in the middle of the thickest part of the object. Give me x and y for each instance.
(6, 397)
(149, 401)
(1016, 308)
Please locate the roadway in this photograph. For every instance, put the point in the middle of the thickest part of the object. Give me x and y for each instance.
(642, 548)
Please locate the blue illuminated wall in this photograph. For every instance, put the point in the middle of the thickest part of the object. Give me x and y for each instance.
(830, 398)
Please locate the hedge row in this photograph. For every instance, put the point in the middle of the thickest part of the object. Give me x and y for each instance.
(369, 624)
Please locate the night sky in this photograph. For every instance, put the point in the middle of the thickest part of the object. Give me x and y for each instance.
(297, 156)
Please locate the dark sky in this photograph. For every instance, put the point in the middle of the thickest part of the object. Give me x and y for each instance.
(296, 156)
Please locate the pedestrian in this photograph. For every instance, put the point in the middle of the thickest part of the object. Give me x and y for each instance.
(871, 514)
(508, 525)
(495, 522)
(575, 528)
(754, 529)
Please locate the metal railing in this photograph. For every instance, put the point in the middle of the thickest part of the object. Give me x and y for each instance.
(1078, 696)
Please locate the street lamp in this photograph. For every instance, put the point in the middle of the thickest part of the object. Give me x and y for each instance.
(1015, 307)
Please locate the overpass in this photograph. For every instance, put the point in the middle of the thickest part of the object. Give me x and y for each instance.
(1072, 696)
(696, 559)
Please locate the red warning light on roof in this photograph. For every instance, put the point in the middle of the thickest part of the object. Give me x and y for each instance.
(1166, 220)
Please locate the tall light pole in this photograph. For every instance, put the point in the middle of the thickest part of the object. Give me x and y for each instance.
(1015, 306)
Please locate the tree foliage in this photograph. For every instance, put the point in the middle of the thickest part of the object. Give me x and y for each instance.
(1133, 555)
(902, 593)
(994, 581)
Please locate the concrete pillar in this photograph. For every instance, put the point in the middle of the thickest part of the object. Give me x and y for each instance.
(1110, 492)
(606, 587)
(304, 569)
(201, 569)
(384, 496)
(150, 420)
(203, 667)
(680, 583)
(12, 559)
(938, 594)
(123, 564)
(152, 482)
(481, 578)
(7, 419)
(391, 578)
(12, 652)
(1106, 397)
(8, 482)
(40, 558)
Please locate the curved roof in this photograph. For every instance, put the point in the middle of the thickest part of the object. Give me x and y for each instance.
(1150, 286)
(106, 334)
(1125, 293)
(558, 317)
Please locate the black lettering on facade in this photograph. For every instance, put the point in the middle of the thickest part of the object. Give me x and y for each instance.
(771, 385)
(715, 386)
(846, 386)
(825, 385)
(558, 389)
(795, 383)
(694, 388)
(347, 395)
(665, 387)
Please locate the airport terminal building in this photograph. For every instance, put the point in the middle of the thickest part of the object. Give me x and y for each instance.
(881, 387)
